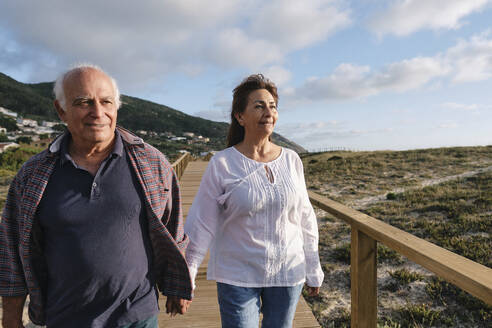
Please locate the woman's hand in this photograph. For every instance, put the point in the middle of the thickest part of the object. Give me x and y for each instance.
(312, 291)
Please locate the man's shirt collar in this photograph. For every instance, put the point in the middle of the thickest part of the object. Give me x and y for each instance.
(65, 142)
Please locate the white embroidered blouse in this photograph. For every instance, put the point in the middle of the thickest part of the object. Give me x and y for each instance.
(257, 220)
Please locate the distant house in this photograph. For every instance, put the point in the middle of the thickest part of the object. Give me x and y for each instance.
(44, 130)
(202, 139)
(27, 122)
(166, 134)
(8, 112)
(41, 143)
(6, 145)
(178, 138)
(189, 134)
(49, 124)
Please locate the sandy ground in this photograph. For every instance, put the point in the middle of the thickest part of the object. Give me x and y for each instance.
(366, 201)
(335, 291)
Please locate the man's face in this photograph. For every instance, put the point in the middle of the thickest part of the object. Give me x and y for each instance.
(90, 110)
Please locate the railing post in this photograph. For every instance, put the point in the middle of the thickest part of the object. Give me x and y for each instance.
(363, 280)
(180, 164)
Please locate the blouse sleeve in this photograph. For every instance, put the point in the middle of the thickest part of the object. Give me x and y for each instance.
(314, 273)
(202, 220)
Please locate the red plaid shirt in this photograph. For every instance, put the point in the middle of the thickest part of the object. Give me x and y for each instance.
(19, 263)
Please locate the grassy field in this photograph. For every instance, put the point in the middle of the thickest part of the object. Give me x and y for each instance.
(350, 176)
(455, 214)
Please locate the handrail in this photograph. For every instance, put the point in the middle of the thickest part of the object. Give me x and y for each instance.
(468, 275)
(181, 163)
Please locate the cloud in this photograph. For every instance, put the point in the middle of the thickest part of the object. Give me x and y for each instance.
(465, 107)
(405, 17)
(141, 42)
(350, 81)
(448, 125)
(475, 109)
(326, 132)
(467, 61)
(279, 75)
(472, 59)
(234, 47)
(294, 24)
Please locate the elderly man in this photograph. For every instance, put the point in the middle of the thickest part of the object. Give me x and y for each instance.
(92, 226)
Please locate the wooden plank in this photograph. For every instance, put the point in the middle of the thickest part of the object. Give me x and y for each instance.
(363, 281)
(468, 275)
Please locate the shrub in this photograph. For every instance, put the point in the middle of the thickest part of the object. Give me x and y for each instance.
(342, 253)
(405, 276)
(335, 158)
(469, 307)
(419, 316)
(391, 196)
(386, 254)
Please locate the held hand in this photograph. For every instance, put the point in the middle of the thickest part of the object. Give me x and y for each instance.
(312, 291)
(12, 324)
(175, 305)
(12, 307)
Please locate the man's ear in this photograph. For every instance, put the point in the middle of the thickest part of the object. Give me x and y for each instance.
(59, 110)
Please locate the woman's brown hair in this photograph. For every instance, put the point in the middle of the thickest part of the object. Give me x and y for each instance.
(240, 101)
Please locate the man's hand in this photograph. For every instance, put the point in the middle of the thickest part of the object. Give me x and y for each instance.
(175, 305)
(312, 291)
(12, 311)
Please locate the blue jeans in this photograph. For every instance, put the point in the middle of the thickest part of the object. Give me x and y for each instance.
(240, 306)
(146, 323)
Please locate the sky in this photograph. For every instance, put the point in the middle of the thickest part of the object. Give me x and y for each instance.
(357, 74)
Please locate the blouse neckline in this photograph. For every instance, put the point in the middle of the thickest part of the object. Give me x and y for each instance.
(255, 161)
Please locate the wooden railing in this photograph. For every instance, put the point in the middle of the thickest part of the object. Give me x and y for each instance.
(366, 231)
(181, 163)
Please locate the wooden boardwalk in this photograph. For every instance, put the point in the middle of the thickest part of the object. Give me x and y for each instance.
(204, 311)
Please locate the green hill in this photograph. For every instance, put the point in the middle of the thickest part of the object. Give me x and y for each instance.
(36, 101)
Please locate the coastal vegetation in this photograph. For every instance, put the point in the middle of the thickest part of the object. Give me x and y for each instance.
(442, 195)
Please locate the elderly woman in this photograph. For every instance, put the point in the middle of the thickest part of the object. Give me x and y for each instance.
(253, 211)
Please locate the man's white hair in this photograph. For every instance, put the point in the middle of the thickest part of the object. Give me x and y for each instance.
(59, 91)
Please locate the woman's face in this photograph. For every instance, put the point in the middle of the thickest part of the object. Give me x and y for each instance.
(260, 115)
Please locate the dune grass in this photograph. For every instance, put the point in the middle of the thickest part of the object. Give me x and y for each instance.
(456, 215)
